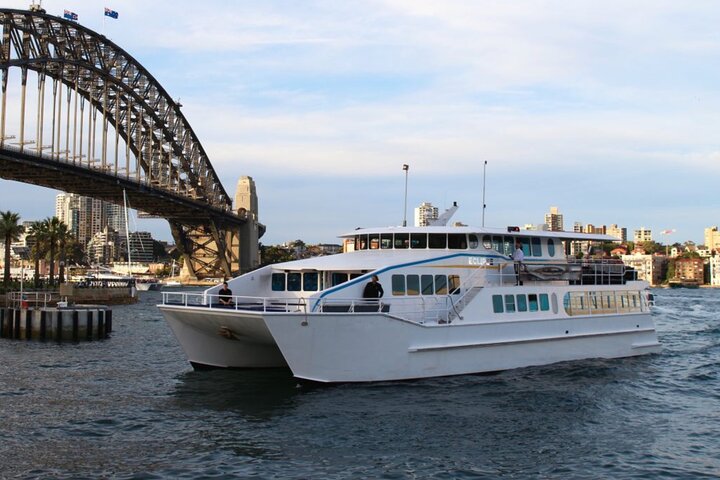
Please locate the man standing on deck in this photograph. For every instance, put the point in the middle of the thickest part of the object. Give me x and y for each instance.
(373, 289)
(518, 256)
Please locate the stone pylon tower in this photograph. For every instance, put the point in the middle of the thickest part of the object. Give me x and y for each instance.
(246, 205)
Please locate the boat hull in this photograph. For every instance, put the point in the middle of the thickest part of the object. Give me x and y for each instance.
(377, 347)
(220, 338)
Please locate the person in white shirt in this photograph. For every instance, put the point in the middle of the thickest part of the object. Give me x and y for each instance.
(518, 256)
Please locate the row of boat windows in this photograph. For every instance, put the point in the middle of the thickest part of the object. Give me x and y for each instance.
(582, 303)
(307, 281)
(452, 241)
(505, 244)
(521, 303)
(425, 284)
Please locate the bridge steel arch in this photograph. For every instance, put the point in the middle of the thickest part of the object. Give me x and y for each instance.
(103, 126)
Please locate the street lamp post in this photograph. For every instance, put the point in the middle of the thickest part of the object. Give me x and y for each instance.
(406, 168)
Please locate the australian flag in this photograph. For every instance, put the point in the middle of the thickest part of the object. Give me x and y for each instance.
(111, 13)
(70, 15)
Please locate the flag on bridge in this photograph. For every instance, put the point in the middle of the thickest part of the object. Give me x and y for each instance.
(111, 13)
(70, 15)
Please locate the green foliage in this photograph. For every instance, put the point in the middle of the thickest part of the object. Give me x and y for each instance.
(275, 254)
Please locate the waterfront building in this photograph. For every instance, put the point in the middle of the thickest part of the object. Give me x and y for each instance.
(650, 268)
(578, 227)
(715, 270)
(690, 270)
(554, 220)
(712, 238)
(425, 213)
(642, 235)
(141, 247)
(104, 247)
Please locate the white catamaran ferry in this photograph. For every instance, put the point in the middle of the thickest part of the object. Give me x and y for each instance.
(454, 303)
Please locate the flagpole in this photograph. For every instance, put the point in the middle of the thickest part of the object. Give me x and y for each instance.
(406, 167)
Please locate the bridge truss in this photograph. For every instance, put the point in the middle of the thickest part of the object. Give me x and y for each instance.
(80, 114)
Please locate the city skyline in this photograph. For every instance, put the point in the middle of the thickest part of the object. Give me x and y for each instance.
(579, 108)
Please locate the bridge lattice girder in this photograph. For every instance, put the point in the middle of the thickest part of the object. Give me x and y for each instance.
(168, 157)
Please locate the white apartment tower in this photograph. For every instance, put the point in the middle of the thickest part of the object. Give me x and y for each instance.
(617, 232)
(425, 213)
(554, 220)
(712, 238)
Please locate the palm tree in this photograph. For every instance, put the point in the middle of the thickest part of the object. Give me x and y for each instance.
(53, 226)
(10, 231)
(64, 238)
(39, 235)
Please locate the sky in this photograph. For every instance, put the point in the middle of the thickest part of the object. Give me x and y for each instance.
(608, 110)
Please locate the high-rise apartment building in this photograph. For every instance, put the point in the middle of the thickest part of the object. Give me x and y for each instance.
(554, 220)
(712, 238)
(642, 235)
(617, 232)
(425, 213)
(86, 216)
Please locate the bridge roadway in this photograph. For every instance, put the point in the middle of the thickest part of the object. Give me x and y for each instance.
(29, 167)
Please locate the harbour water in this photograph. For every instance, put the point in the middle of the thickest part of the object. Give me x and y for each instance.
(131, 407)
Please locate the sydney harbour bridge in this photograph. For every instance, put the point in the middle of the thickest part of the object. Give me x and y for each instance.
(79, 114)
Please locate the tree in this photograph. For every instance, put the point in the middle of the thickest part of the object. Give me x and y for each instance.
(64, 237)
(38, 234)
(53, 227)
(10, 231)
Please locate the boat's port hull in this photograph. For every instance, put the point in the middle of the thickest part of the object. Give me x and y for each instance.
(216, 338)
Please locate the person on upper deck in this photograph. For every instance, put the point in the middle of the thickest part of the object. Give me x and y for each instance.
(225, 295)
(518, 257)
(373, 289)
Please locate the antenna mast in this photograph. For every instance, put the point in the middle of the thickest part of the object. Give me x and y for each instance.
(483, 210)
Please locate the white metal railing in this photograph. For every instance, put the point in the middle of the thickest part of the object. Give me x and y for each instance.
(32, 299)
(235, 302)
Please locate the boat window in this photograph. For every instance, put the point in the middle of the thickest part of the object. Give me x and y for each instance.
(487, 243)
(522, 303)
(374, 241)
(438, 240)
(278, 282)
(551, 247)
(361, 242)
(294, 282)
(508, 246)
(544, 304)
(536, 248)
(401, 240)
(457, 241)
(355, 275)
(497, 244)
(533, 301)
(386, 240)
(454, 284)
(509, 303)
(310, 281)
(473, 241)
(497, 303)
(413, 285)
(554, 303)
(525, 246)
(426, 282)
(338, 278)
(398, 284)
(440, 285)
(418, 240)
